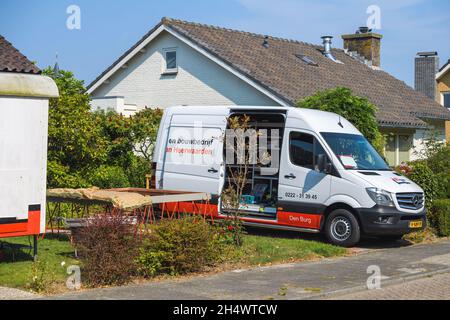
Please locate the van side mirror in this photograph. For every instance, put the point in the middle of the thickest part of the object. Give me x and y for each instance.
(323, 164)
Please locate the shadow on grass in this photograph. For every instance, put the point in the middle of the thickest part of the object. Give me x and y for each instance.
(15, 252)
(365, 243)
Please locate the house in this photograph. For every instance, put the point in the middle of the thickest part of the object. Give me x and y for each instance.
(443, 89)
(24, 102)
(185, 63)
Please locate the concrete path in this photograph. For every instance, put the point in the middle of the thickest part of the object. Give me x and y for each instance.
(308, 280)
(435, 287)
(16, 294)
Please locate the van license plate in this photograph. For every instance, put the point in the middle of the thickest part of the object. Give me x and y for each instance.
(415, 224)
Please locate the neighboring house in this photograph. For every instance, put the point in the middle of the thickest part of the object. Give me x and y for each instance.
(184, 63)
(443, 88)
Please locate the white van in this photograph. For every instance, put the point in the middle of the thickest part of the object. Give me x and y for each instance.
(326, 176)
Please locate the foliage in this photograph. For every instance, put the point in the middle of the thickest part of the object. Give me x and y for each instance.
(179, 246)
(358, 110)
(144, 127)
(42, 276)
(137, 170)
(88, 148)
(419, 172)
(75, 140)
(437, 157)
(108, 249)
(106, 177)
(439, 217)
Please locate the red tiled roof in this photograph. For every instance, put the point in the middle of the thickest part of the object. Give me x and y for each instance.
(11, 60)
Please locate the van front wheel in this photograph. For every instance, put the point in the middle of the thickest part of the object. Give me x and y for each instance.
(342, 228)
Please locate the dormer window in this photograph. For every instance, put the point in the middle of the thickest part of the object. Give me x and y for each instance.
(170, 61)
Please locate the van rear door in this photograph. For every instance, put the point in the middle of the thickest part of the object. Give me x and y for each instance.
(193, 154)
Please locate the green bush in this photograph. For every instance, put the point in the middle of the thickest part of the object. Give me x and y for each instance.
(179, 246)
(358, 110)
(106, 177)
(429, 181)
(439, 217)
(137, 170)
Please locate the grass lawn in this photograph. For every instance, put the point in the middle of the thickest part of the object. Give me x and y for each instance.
(259, 248)
(16, 261)
(264, 249)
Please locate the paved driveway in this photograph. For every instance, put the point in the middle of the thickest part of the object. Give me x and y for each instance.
(308, 280)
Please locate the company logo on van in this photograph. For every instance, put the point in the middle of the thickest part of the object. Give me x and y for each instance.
(400, 181)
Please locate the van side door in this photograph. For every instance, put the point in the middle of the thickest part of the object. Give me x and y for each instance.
(302, 188)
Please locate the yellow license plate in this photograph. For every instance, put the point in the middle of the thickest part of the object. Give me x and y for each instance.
(415, 224)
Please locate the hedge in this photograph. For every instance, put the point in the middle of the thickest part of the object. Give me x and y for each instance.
(440, 217)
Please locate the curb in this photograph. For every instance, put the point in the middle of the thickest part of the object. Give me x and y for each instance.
(363, 288)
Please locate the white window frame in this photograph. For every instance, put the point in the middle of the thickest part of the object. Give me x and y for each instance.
(442, 96)
(165, 70)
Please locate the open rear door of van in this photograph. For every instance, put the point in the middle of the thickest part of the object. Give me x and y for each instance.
(193, 154)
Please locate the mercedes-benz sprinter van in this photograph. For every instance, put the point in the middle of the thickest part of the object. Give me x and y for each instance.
(324, 176)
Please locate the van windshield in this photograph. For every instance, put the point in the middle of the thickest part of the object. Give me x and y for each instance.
(354, 151)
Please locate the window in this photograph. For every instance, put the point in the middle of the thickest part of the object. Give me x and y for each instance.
(170, 61)
(304, 149)
(446, 99)
(354, 151)
(398, 148)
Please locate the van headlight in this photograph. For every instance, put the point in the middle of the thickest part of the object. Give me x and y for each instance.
(381, 197)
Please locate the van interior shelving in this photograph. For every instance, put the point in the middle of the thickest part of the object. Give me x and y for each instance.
(259, 197)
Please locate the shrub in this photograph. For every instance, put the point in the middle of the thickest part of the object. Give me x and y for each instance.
(439, 218)
(106, 177)
(419, 172)
(179, 246)
(42, 277)
(358, 110)
(108, 249)
(136, 172)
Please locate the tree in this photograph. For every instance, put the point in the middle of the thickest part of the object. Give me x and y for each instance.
(358, 110)
(76, 143)
(144, 128)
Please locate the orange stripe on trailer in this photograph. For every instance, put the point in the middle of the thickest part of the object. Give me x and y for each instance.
(32, 227)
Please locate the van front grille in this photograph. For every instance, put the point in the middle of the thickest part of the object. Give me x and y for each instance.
(411, 201)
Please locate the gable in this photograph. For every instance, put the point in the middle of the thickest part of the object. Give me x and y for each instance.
(199, 81)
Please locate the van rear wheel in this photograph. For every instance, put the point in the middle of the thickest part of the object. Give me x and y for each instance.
(342, 228)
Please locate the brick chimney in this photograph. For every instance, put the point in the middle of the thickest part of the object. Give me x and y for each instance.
(426, 65)
(366, 43)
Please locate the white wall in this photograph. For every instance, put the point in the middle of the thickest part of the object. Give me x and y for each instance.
(23, 156)
(421, 135)
(199, 81)
(116, 104)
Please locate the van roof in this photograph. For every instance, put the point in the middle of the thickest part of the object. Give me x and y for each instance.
(314, 120)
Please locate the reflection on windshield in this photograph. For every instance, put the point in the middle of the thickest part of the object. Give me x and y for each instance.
(354, 151)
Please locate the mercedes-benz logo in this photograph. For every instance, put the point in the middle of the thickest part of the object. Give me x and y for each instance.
(415, 201)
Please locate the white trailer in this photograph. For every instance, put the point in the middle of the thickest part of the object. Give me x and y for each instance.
(24, 100)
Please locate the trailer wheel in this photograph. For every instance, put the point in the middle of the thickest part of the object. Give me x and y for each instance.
(342, 228)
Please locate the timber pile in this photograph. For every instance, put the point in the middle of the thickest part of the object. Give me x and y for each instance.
(119, 199)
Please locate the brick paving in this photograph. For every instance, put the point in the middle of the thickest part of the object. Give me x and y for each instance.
(431, 288)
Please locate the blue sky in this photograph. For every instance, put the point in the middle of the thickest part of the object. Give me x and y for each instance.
(108, 28)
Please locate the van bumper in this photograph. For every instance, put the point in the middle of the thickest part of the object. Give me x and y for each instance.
(389, 221)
